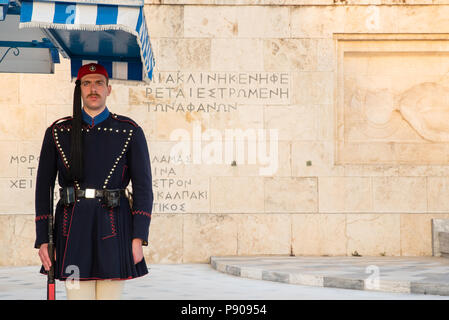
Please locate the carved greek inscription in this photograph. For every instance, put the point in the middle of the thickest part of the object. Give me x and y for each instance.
(172, 193)
(212, 91)
(28, 165)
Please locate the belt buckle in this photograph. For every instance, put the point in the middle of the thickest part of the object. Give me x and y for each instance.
(89, 193)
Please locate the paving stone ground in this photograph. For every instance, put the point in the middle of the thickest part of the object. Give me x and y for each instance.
(203, 282)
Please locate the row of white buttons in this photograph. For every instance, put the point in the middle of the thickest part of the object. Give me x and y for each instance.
(64, 158)
(99, 129)
(60, 148)
(118, 159)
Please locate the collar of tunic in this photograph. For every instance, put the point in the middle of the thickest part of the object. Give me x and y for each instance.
(97, 119)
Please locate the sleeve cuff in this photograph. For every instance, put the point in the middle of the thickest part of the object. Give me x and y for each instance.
(141, 225)
(41, 230)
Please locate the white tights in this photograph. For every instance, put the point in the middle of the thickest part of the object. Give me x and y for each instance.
(94, 289)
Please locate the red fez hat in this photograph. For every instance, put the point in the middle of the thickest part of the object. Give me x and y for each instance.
(92, 68)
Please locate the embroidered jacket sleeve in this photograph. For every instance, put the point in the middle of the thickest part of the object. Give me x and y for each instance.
(46, 175)
(140, 172)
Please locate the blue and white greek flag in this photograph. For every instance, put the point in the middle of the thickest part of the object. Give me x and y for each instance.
(71, 25)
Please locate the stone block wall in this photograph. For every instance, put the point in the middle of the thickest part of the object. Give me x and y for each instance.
(298, 127)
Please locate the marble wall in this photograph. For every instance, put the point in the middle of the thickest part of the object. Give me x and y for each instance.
(299, 127)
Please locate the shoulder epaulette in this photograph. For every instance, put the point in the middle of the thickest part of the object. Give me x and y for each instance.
(124, 119)
(61, 119)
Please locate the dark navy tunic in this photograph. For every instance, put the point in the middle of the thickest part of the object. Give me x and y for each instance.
(91, 238)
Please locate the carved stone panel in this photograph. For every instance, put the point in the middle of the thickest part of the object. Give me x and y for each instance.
(392, 100)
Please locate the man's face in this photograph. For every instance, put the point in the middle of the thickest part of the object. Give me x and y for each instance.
(94, 91)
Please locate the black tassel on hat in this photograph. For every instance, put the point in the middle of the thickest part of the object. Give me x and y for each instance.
(76, 151)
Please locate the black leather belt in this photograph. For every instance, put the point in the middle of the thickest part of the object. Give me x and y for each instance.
(95, 193)
(111, 197)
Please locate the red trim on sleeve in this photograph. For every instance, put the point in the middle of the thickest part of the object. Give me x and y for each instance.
(42, 217)
(142, 213)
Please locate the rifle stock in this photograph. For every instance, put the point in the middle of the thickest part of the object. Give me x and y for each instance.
(51, 252)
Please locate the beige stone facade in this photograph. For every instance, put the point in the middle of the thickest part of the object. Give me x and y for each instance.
(305, 127)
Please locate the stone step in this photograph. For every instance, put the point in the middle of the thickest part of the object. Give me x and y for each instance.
(443, 238)
(416, 275)
(440, 226)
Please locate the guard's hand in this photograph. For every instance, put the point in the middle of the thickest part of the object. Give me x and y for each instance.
(45, 258)
(137, 250)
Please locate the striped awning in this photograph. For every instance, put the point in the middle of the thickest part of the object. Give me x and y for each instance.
(112, 33)
(3, 9)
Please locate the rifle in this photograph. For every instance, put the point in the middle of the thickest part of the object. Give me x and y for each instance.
(51, 252)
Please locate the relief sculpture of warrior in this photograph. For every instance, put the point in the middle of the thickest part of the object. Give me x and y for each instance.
(98, 231)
